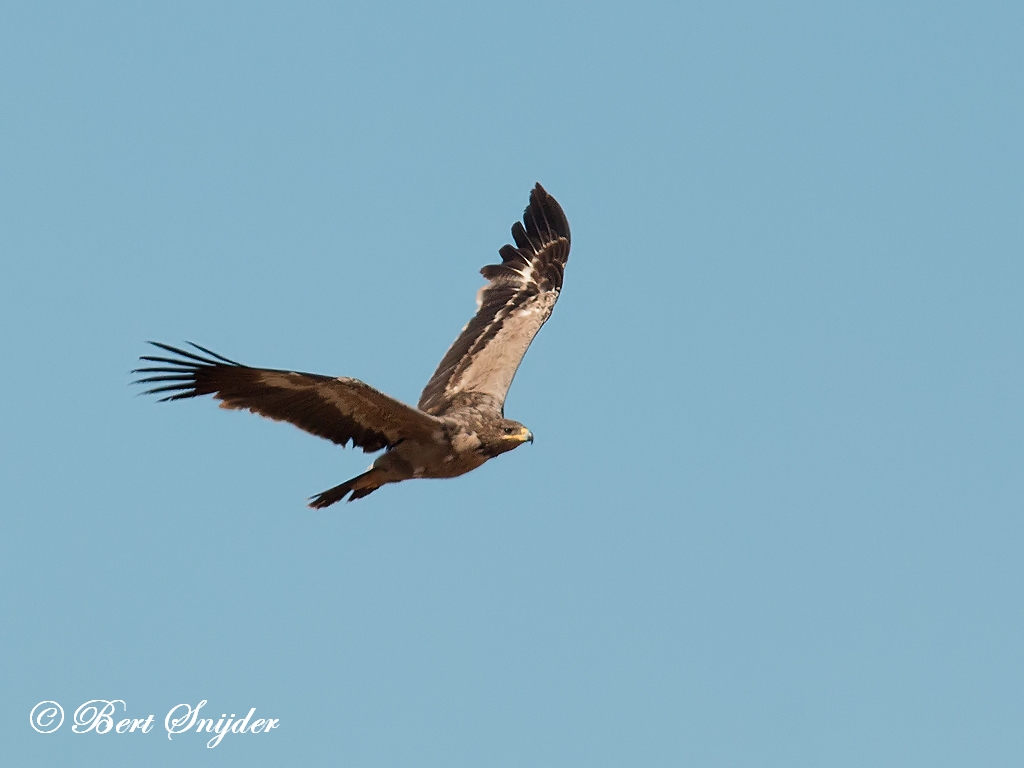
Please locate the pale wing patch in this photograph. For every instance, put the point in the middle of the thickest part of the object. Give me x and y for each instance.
(494, 365)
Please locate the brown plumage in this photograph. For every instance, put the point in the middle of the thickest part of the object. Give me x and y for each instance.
(459, 423)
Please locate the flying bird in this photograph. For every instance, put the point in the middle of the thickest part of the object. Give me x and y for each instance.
(459, 422)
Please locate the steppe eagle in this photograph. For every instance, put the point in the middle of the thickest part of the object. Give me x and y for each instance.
(459, 422)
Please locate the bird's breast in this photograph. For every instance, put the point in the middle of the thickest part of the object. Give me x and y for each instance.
(465, 441)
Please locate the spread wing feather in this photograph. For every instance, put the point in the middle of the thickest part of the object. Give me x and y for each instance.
(338, 409)
(512, 307)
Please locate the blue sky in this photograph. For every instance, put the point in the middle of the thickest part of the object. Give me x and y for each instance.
(772, 515)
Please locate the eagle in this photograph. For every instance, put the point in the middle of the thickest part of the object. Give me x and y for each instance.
(459, 422)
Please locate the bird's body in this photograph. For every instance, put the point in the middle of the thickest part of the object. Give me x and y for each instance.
(459, 423)
(458, 447)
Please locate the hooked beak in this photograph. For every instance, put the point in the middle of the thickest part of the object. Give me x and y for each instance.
(529, 437)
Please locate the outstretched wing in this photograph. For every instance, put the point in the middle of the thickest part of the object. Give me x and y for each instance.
(338, 409)
(512, 307)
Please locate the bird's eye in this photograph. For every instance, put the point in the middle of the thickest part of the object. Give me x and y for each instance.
(510, 430)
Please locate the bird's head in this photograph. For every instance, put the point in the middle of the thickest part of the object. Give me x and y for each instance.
(510, 434)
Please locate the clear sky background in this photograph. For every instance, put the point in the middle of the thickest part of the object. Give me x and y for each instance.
(773, 513)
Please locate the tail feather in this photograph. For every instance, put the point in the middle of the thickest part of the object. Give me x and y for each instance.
(361, 485)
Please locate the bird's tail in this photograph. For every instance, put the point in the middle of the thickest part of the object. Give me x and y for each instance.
(362, 485)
